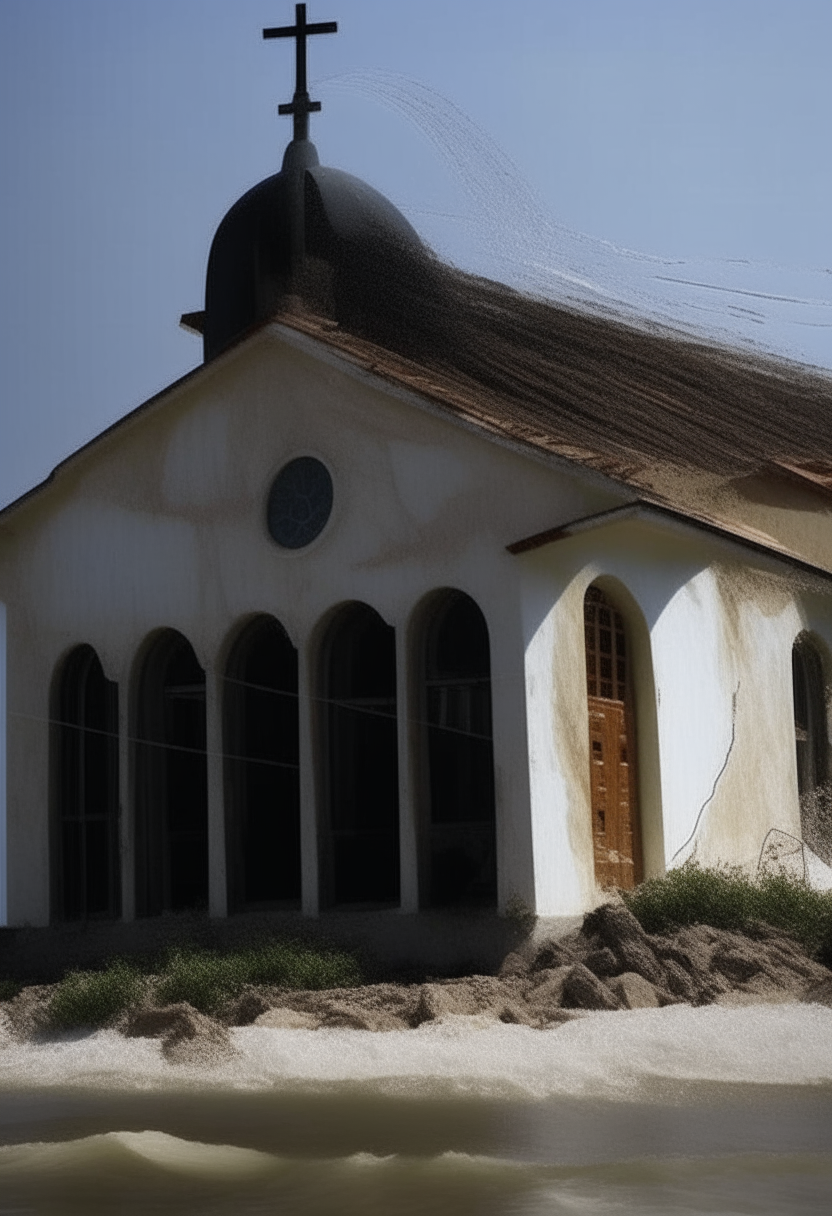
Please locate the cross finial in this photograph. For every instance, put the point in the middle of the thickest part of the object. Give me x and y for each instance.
(300, 107)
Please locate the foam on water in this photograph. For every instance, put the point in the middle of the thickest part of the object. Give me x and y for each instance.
(618, 1056)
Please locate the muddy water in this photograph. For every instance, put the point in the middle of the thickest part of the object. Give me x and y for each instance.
(675, 1110)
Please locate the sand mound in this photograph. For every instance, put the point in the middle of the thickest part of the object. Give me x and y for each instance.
(609, 964)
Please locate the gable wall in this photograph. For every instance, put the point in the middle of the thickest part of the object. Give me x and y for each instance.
(162, 524)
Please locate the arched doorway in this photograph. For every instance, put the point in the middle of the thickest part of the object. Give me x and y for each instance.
(612, 746)
(85, 876)
(461, 854)
(361, 857)
(172, 780)
(811, 740)
(262, 767)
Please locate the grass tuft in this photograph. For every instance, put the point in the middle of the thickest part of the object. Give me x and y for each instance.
(203, 978)
(94, 998)
(206, 978)
(728, 898)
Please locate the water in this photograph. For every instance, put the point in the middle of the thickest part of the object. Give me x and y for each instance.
(669, 1111)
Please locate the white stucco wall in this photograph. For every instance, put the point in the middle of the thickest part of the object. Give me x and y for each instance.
(162, 524)
(711, 631)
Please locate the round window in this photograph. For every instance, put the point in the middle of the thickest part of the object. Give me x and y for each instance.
(300, 502)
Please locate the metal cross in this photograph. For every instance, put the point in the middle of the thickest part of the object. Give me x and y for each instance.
(300, 106)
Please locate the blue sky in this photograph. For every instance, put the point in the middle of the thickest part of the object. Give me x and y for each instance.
(674, 156)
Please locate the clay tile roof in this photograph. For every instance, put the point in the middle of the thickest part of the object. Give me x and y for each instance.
(594, 389)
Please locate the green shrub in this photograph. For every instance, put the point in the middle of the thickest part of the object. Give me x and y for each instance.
(291, 965)
(200, 977)
(206, 978)
(94, 998)
(727, 898)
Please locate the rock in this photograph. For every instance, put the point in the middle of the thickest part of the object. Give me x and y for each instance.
(694, 948)
(27, 1014)
(287, 1019)
(153, 1022)
(440, 1000)
(188, 1037)
(761, 931)
(736, 963)
(551, 954)
(583, 990)
(611, 924)
(762, 963)
(602, 962)
(515, 1014)
(789, 956)
(513, 965)
(819, 993)
(618, 929)
(247, 1008)
(547, 995)
(679, 983)
(634, 991)
(347, 1015)
(738, 1000)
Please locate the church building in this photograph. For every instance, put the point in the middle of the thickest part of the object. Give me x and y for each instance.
(418, 596)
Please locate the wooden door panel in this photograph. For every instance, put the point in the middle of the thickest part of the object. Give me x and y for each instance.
(613, 794)
(615, 822)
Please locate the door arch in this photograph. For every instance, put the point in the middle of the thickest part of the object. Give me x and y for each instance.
(616, 824)
(262, 767)
(85, 783)
(361, 845)
(171, 780)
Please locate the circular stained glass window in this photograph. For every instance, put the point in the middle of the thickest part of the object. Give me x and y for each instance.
(300, 502)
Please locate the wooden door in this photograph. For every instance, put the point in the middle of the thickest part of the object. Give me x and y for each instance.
(612, 753)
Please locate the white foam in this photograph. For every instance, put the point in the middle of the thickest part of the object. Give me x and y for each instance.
(605, 1055)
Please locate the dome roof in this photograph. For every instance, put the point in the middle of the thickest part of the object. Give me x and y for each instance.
(310, 232)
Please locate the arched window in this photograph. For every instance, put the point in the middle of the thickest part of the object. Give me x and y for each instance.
(612, 746)
(361, 857)
(172, 780)
(86, 876)
(262, 771)
(812, 746)
(461, 859)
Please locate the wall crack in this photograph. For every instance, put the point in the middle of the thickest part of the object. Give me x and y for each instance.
(718, 777)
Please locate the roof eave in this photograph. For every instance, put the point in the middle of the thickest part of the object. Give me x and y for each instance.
(644, 510)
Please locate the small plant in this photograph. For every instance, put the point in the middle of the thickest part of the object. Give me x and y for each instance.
(200, 977)
(94, 998)
(292, 965)
(205, 978)
(727, 898)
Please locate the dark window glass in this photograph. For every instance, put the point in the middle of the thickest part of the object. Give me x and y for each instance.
(262, 767)
(461, 852)
(86, 878)
(362, 858)
(812, 748)
(172, 781)
(300, 502)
